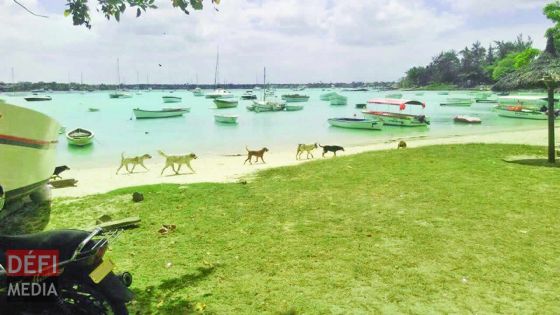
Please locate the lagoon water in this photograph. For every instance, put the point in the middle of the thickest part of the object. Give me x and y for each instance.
(117, 131)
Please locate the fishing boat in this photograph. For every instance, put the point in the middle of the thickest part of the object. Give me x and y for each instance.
(219, 93)
(521, 112)
(338, 100)
(467, 119)
(398, 119)
(172, 99)
(163, 113)
(226, 103)
(394, 96)
(267, 104)
(356, 123)
(457, 102)
(38, 98)
(118, 95)
(80, 137)
(293, 107)
(198, 92)
(327, 96)
(28, 154)
(295, 98)
(249, 95)
(226, 119)
(93, 109)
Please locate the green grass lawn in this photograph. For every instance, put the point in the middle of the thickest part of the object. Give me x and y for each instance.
(441, 229)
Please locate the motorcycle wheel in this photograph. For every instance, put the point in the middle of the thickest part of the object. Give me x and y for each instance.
(84, 299)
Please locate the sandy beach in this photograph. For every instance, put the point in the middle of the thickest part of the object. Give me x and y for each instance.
(231, 168)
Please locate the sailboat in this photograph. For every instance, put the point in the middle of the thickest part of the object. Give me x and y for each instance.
(218, 92)
(118, 93)
(197, 91)
(266, 105)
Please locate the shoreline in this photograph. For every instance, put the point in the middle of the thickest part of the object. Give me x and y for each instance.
(222, 168)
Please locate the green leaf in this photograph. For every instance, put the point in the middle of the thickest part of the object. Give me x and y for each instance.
(67, 12)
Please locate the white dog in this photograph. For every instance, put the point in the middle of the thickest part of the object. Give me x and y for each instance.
(171, 160)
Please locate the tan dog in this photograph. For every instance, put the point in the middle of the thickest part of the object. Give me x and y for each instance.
(402, 145)
(171, 160)
(136, 160)
(258, 154)
(306, 148)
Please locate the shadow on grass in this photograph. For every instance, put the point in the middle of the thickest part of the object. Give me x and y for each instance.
(539, 162)
(168, 297)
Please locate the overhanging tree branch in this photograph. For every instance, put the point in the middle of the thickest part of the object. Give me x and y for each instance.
(31, 12)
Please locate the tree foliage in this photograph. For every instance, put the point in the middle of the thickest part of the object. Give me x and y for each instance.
(79, 9)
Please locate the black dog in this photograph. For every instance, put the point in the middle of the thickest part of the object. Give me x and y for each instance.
(331, 148)
(58, 170)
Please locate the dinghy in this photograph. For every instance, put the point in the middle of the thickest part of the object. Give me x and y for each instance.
(458, 102)
(226, 103)
(163, 113)
(398, 119)
(467, 119)
(172, 99)
(356, 123)
(293, 107)
(198, 92)
(38, 98)
(295, 98)
(80, 137)
(226, 119)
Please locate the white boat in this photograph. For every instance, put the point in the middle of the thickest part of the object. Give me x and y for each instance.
(118, 94)
(467, 119)
(80, 137)
(219, 93)
(293, 107)
(198, 92)
(521, 112)
(226, 102)
(356, 123)
(37, 98)
(249, 95)
(338, 100)
(28, 154)
(171, 99)
(226, 119)
(164, 113)
(267, 106)
(398, 119)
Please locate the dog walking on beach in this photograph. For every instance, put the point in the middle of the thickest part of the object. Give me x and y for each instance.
(402, 145)
(171, 160)
(305, 148)
(258, 154)
(331, 148)
(136, 160)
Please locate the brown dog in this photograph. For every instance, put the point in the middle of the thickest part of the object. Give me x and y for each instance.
(402, 145)
(258, 154)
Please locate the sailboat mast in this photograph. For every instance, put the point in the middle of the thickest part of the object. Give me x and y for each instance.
(264, 84)
(216, 73)
(118, 73)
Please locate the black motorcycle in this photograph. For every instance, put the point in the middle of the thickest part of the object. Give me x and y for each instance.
(85, 282)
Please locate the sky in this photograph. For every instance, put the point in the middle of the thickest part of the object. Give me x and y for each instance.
(297, 41)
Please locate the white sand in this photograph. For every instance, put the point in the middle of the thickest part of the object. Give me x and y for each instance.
(227, 168)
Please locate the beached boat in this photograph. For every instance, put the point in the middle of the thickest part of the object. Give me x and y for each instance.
(119, 95)
(80, 137)
(219, 93)
(338, 100)
(226, 102)
(467, 119)
(28, 154)
(521, 112)
(328, 96)
(294, 98)
(226, 119)
(38, 98)
(394, 96)
(293, 107)
(93, 109)
(356, 123)
(163, 113)
(249, 95)
(457, 102)
(198, 92)
(171, 99)
(398, 119)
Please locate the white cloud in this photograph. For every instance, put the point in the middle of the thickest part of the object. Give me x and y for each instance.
(298, 41)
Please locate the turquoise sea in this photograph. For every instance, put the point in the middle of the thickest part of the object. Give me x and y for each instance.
(117, 131)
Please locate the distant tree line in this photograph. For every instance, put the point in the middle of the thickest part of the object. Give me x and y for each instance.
(472, 66)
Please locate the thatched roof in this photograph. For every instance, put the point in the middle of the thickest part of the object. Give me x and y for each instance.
(547, 65)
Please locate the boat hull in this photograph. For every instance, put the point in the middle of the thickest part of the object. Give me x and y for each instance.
(522, 114)
(467, 120)
(293, 108)
(395, 119)
(456, 104)
(225, 119)
(351, 123)
(225, 103)
(149, 114)
(38, 98)
(173, 99)
(34, 148)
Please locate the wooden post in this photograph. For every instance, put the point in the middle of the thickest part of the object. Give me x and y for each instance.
(551, 119)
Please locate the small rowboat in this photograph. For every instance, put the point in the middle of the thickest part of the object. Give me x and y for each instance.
(164, 113)
(356, 123)
(295, 98)
(119, 95)
(249, 95)
(226, 119)
(338, 100)
(92, 109)
(458, 102)
(293, 107)
(37, 98)
(172, 99)
(226, 103)
(467, 119)
(80, 137)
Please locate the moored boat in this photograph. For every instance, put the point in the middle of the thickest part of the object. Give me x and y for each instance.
(80, 137)
(356, 123)
(249, 95)
(226, 119)
(525, 101)
(394, 95)
(267, 106)
(361, 105)
(328, 96)
(443, 93)
(219, 93)
(163, 113)
(293, 107)
(226, 103)
(338, 100)
(37, 98)
(521, 112)
(398, 119)
(93, 109)
(467, 119)
(458, 102)
(118, 95)
(28, 154)
(294, 98)
(172, 99)
(198, 92)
